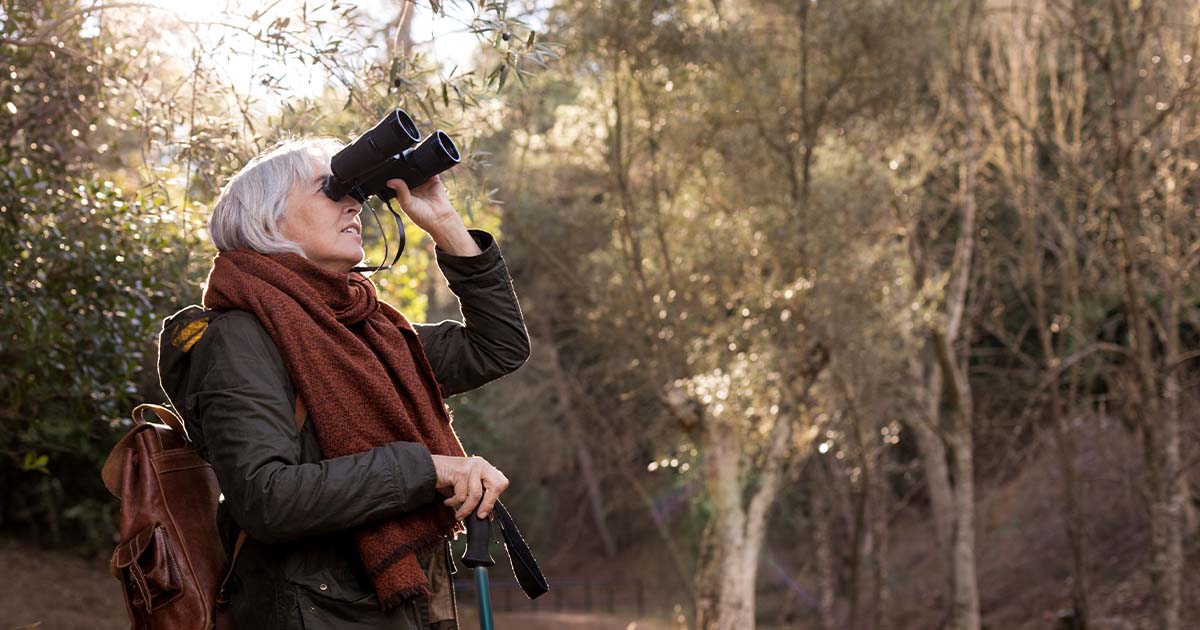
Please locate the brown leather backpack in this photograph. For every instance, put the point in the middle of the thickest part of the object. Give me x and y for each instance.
(170, 562)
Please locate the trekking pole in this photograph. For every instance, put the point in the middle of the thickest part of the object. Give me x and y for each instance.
(478, 556)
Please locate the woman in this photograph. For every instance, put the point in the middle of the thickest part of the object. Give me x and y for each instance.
(345, 526)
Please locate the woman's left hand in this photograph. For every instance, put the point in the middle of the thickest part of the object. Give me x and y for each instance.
(427, 205)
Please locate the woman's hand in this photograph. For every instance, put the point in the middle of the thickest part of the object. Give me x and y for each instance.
(464, 480)
(428, 205)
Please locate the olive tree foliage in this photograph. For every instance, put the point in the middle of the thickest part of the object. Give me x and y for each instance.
(689, 166)
(119, 123)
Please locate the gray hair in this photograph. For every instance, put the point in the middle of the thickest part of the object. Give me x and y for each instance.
(251, 205)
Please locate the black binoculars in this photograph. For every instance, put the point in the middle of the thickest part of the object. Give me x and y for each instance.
(389, 150)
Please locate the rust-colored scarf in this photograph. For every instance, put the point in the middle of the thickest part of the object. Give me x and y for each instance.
(361, 371)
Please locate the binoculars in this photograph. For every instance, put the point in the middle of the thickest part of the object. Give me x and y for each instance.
(389, 150)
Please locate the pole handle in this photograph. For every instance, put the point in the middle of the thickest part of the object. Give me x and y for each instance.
(479, 538)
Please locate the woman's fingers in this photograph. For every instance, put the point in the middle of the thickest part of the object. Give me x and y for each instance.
(403, 194)
(474, 489)
(432, 185)
(448, 471)
(476, 484)
(494, 483)
(468, 486)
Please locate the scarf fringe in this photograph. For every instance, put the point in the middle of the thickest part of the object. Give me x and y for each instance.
(421, 545)
(403, 596)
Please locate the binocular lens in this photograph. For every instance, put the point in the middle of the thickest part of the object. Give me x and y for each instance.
(448, 146)
(436, 154)
(393, 134)
(403, 132)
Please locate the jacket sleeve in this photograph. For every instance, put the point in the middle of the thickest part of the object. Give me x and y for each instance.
(242, 404)
(491, 341)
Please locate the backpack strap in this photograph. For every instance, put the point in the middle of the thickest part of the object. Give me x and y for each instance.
(114, 464)
(167, 416)
(222, 599)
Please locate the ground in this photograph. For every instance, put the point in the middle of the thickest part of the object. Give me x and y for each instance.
(47, 590)
(1024, 568)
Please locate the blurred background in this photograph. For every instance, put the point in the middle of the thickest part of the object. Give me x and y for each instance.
(856, 314)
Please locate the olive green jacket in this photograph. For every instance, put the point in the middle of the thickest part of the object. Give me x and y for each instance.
(299, 567)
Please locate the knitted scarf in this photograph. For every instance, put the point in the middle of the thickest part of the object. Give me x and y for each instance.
(361, 371)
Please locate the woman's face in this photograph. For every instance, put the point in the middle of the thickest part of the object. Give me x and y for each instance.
(328, 231)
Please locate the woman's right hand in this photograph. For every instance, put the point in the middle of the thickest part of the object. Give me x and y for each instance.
(464, 480)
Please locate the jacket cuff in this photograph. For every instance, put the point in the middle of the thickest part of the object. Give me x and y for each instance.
(459, 268)
(414, 478)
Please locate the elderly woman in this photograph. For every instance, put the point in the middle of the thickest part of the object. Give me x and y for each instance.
(346, 520)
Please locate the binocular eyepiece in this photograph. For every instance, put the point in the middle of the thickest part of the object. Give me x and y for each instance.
(392, 149)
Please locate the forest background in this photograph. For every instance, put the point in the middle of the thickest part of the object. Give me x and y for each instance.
(862, 314)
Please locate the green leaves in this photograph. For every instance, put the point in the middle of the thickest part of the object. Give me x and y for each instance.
(36, 462)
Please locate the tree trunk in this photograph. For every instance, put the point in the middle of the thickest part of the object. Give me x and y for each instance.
(1149, 392)
(966, 590)
(1174, 492)
(878, 522)
(739, 527)
(954, 366)
(722, 459)
(868, 565)
(823, 546)
(927, 430)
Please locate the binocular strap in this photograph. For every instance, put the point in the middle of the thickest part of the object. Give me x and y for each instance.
(399, 227)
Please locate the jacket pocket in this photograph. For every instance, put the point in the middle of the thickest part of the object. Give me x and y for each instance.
(323, 585)
(327, 602)
(148, 567)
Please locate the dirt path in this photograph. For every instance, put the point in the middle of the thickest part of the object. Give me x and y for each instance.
(553, 621)
(48, 590)
(58, 591)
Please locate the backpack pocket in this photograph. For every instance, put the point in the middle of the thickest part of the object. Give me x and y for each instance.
(148, 568)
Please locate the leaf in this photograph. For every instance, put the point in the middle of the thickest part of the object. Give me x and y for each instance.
(33, 461)
(529, 40)
(503, 76)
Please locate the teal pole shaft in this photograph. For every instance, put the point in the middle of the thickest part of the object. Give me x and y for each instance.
(483, 593)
